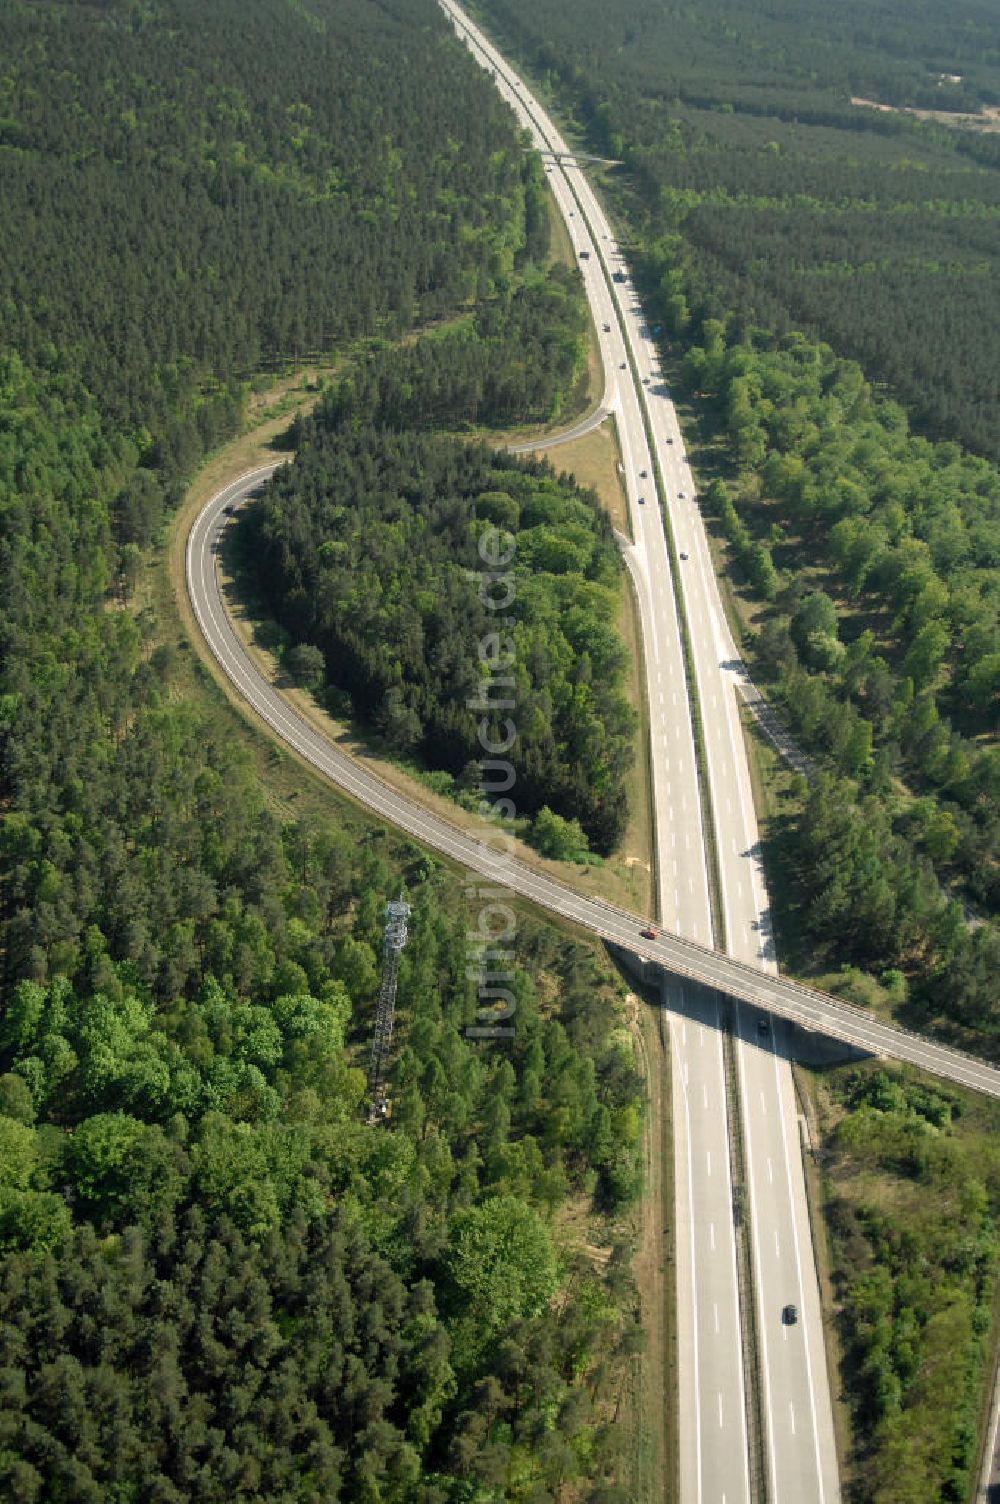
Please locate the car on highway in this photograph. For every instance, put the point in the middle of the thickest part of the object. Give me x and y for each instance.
(669, 439)
(642, 501)
(584, 255)
(230, 511)
(643, 474)
(607, 328)
(683, 554)
(623, 366)
(790, 1314)
(649, 933)
(680, 495)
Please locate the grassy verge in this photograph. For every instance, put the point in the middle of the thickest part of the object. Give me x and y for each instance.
(593, 461)
(638, 849)
(652, 1418)
(752, 1366)
(908, 1179)
(561, 251)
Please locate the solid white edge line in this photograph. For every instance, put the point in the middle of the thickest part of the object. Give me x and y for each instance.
(802, 1304)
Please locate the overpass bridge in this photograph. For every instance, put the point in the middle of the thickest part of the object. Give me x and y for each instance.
(572, 158)
(507, 877)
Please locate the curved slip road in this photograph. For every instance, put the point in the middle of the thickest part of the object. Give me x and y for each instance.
(683, 958)
(566, 435)
(695, 962)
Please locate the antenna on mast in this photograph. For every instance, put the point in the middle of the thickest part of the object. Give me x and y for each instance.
(397, 912)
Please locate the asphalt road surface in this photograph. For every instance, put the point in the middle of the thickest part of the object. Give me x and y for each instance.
(797, 1412)
(794, 1365)
(680, 957)
(714, 1462)
(683, 958)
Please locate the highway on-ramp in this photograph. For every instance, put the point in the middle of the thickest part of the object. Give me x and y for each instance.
(687, 954)
(802, 1005)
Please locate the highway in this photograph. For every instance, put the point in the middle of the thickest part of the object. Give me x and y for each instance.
(805, 1006)
(794, 1368)
(567, 435)
(797, 1411)
(714, 1458)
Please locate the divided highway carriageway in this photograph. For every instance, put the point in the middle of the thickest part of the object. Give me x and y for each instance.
(685, 958)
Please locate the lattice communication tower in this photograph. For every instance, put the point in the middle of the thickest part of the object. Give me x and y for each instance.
(397, 912)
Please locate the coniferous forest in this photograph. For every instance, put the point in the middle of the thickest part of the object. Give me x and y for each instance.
(875, 231)
(368, 549)
(216, 1281)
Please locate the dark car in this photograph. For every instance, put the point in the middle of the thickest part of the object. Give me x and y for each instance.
(642, 501)
(790, 1315)
(229, 511)
(683, 555)
(643, 474)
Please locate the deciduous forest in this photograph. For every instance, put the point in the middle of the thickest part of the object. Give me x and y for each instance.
(216, 1281)
(911, 1181)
